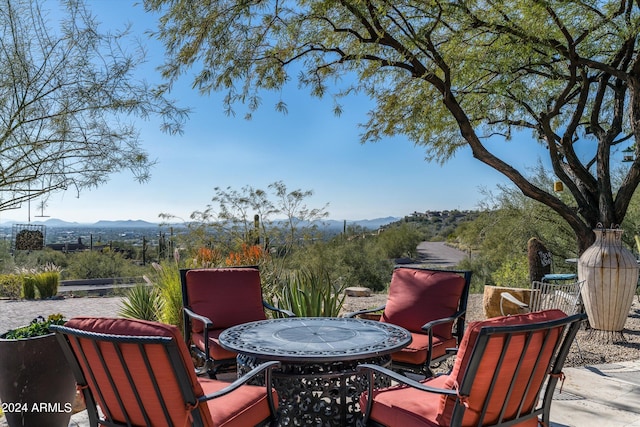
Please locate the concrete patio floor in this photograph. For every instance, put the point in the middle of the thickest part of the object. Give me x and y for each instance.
(592, 396)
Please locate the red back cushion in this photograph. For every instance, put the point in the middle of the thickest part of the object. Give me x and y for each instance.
(227, 296)
(489, 363)
(161, 366)
(420, 296)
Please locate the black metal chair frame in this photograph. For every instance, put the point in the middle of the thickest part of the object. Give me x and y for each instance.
(66, 335)
(458, 331)
(211, 366)
(570, 324)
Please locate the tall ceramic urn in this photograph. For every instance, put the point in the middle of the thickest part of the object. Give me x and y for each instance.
(610, 272)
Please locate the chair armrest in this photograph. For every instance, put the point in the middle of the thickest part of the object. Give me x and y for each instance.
(287, 313)
(205, 320)
(429, 325)
(404, 380)
(366, 310)
(266, 367)
(428, 328)
(205, 330)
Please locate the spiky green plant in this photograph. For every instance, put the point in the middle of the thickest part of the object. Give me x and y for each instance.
(142, 302)
(166, 280)
(310, 293)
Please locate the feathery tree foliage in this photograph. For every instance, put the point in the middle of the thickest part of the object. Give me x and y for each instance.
(67, 93)
(447, 74)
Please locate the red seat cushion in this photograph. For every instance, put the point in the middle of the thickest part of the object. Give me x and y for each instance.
(420, 296)
(246, 406)
(216, 352)
(227, 296)
(416, 352)
(404, 406)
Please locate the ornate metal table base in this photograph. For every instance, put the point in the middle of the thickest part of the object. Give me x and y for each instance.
(318, 394)
(317, 381)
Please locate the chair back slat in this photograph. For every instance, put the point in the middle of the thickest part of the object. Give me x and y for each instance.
(84, 362)
(492, 386)
(156, 385)
(137, 380)
(144, 400)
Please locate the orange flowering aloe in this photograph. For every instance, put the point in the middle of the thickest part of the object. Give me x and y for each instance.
(247, 255)
(207, 257)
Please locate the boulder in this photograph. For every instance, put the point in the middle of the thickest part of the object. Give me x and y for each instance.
(358, 291)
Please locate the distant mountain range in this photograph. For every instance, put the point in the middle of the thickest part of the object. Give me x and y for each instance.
(372, 224)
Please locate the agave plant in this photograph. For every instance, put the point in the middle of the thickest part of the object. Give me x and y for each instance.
(142, 302)
(310, 293)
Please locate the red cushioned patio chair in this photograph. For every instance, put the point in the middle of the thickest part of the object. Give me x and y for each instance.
(503, 366)
(215, 299)
(140, 373)
(432, 305)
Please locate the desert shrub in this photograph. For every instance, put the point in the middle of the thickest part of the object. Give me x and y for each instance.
(481, 273)
(35, 259)
(10, 286)
(513, 272)
(354, 261)
(400, 241)
(96, 265)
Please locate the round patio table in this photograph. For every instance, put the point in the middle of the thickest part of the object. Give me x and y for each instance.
(317, 382)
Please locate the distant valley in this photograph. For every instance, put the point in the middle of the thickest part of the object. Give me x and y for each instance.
(134, 231)
(330, 224)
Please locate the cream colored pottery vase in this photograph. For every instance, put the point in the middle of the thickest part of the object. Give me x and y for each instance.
(610, 272)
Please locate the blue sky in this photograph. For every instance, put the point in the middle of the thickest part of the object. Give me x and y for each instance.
(309, 148)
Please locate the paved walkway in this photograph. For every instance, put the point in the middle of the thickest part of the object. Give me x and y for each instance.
(20, 313)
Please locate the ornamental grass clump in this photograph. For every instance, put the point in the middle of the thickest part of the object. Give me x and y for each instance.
(28, 287)
(44, 280)
(47, 281)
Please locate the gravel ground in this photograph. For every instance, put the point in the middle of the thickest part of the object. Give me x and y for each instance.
(590, 348)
